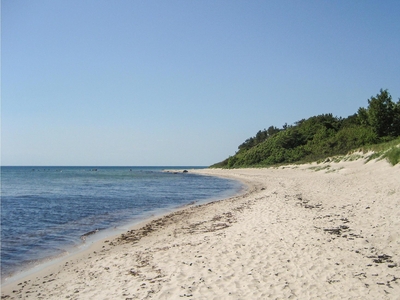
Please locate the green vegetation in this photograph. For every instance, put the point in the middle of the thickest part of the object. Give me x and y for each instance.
(389, 150)
(318, 137)
(393, 156)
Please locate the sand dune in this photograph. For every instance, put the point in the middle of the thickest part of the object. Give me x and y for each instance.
(328, 231)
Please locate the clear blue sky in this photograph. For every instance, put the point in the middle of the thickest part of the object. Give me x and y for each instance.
(131, 82)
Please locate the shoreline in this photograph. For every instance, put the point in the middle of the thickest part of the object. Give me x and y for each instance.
(95, 243)
(91, 240)
(323, 231)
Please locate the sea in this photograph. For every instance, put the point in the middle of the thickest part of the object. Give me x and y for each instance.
(47, 212)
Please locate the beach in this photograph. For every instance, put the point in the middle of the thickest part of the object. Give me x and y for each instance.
(312, 231)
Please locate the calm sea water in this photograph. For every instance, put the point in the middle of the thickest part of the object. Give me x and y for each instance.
(46, 210)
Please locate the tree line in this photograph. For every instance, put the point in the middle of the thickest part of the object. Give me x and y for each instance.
(320, 136)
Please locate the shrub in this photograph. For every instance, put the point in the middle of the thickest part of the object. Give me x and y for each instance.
(393, 155)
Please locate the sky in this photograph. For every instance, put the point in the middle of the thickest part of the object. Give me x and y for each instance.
(182, 83)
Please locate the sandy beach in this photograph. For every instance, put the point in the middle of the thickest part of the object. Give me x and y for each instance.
(314, 231)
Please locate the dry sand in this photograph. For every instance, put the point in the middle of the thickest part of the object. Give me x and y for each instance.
(298, 232)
